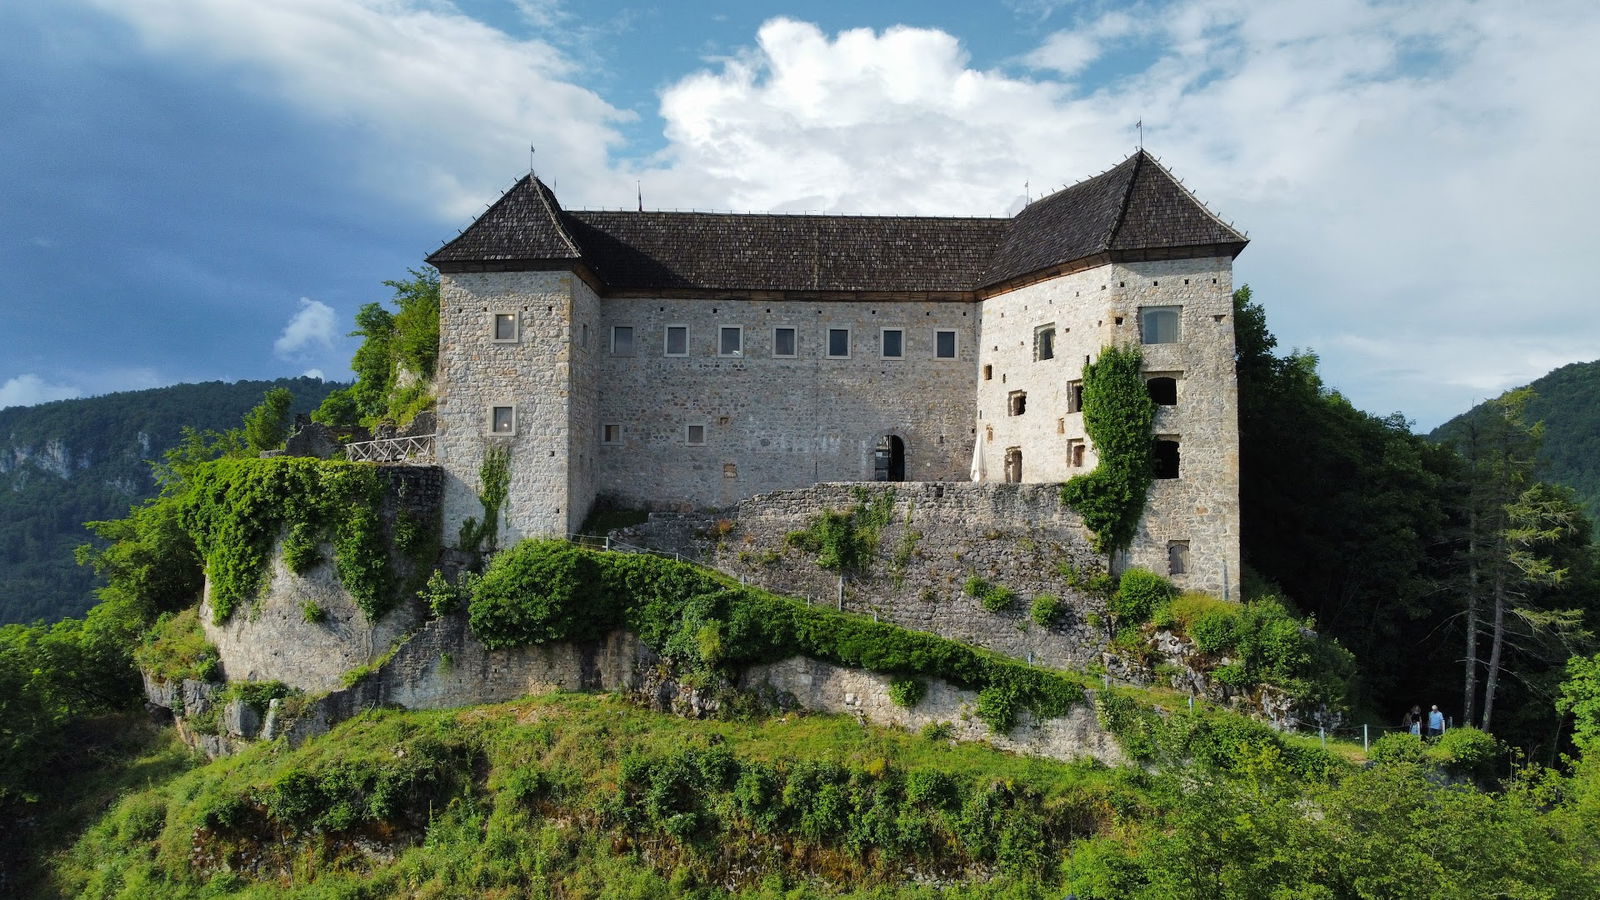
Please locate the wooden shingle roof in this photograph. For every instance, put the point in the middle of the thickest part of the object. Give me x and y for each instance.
(1134, 210)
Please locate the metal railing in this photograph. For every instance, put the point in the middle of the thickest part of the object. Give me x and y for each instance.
(390, 450)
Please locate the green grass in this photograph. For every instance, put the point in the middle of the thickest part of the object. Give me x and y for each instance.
(523, 800)
(176, 648)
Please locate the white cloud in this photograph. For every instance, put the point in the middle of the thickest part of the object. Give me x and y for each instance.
(314, 373)
(451, 104)
(310, 328)
(28, 389)
(1407, 170)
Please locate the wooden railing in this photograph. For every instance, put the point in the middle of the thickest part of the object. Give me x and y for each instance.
(391, 450)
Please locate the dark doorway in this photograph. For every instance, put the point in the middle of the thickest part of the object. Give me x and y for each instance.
(1163, 390)
(889, 460)
(1014, 465)
(1166, 458)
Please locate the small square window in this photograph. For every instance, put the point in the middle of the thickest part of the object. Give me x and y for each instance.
(694, 435)
(1075, 454)
(677, 340)
(622, 340)
(1074, 396)
(894, 343)
(1017, 402)
(944, 344)
(1160, 324)
(610, 434)
(783, 342)
(838, 342)
(503, 420)
(1044, 342)
(505, 328)
(730, 341)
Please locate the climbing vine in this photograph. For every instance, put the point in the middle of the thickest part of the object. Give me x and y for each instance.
(235, 509)
(847, 541)
(1119, 415)
(494, 482)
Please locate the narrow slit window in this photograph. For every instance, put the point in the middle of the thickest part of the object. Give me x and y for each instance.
(988, 372)
(1074, 396)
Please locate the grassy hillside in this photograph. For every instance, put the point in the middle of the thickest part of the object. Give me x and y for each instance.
(1568, 403)
(588, 796)
(74, 461)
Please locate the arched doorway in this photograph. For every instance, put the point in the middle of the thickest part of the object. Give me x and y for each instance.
(889, 459)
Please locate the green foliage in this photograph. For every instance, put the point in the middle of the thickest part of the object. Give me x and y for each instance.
(1140, 593)
(234, 509)
(847, 541)
(176, 649)
(267, 425)
(542, 591)
(1047, 610)
(1211, 740)
(110, 440)
(444, 596)
(396, 360)
(1580, 698)
(995, 598)
(1118, 415)
(312, 613)
(494, 483)
(906, 693)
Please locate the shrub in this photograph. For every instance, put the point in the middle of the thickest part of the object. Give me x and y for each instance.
(1466, 752)
(548, 594)
(175, 648)
(1213, 632)
(993, 597)
(1047, 610)
(1139, 593)
(906, 693)
(312, 613)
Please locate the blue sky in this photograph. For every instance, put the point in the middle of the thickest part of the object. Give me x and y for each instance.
(208, 189)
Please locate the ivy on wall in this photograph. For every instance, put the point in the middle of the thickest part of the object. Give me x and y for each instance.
(494, 483)
(236, 508)
(544, 591)
(1118, 415)
(848, 541)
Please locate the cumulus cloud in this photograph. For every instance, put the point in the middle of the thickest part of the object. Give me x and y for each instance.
(314, 373)
(311, 328)
(1405, 167)
(29, 389)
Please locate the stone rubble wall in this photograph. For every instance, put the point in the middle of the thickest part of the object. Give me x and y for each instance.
(443, 666)
(1018, 536)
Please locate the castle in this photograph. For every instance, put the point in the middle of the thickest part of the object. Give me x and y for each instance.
(677, 361)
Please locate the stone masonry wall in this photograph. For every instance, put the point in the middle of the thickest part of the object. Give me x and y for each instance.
(1014, 535)
(531, 373)
(780, 422)
(1100, 307)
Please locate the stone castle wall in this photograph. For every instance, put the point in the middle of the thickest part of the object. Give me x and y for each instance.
(1096, 308)
(1018, 536)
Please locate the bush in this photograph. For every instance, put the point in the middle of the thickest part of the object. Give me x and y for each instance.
(993, 597)
(1466, 753)
(1047, 610)
(548, 592)
(1214, 631)
(312, 613)
(1139, 593)
(906, 693)
(176, 649)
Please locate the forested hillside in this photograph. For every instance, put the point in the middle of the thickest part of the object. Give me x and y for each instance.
(74, 461)
(1567, 401)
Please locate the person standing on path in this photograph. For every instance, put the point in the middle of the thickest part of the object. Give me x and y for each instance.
(1435, 722)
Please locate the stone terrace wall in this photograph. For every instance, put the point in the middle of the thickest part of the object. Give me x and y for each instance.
(1014, 535)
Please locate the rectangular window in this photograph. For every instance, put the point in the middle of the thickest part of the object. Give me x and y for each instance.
(894, 343)
(1044, 342)
(988, 372)
(503, 420)
(838, 342)
(944, 344)
(1160, 324)
(694, 435)
(677, 340)
(1075, 454)
(610, 434)
(505, 328)
(1017, 402)
(783, 342)
(1074, 396)
(730, 341)
(622, 340)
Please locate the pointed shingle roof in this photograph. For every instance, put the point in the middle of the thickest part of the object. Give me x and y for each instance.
(1134, 210)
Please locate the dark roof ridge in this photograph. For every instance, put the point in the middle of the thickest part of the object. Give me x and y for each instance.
(552, 209)
(1110, 239)
(788, 215)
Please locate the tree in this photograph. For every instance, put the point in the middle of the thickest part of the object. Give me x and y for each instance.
(395, 363)
(266, 426)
